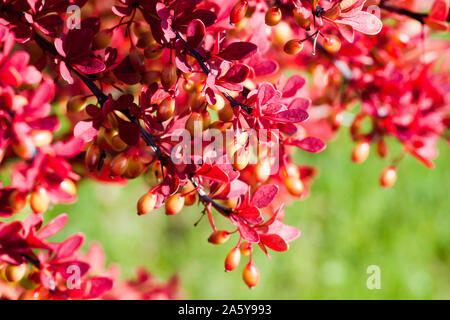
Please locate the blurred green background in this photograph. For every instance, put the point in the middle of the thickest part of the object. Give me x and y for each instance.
(348, 223)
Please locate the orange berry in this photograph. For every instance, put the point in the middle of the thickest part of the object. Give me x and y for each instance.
(241, 159)
(238, 12)
(102, 39)
(24, 149)
(135, 167)
(15, 273)
(290, 170)
(332, 43)
(76, 104)
(165, 109)
(117, 144)
(146, 203)
(273, 16)
(190, 196)
(41, 138)
(118, 165)
(144, 40)
(382, 148)
(226, 113)
(293, 46)
(301, 20)
(168, 76)
(294, 185)
(220, 103)
(174, 204)
(137, 59)
(388, 177)
(68, 186)
(245, 248)
(194, 124)
(92, 157)
(17, 200)
(219, 237)
(262, 170)
(39, 200)
(361, 151)
(232, 260)
(250, 275)
(149, 77)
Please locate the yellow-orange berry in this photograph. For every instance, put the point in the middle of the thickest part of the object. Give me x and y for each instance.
(332, 43)
(174, 204)
(273, 16)
(39, 200)
(15, 273)
(219, 237)
(250, 275)
(293, 46)
(165, 109)
(146, 203)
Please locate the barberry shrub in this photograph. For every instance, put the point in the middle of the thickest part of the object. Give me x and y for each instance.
(192, 95)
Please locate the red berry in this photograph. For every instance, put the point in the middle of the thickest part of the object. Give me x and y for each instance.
(250, 275)
(92, 157)
(238, 12)
(388, 177)
(382, 148)
(232, 259)
(361, 151)
(168, 76)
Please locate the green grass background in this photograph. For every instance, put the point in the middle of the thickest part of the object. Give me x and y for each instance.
(348, 223)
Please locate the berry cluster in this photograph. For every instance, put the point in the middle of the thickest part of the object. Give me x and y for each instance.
(189, 95)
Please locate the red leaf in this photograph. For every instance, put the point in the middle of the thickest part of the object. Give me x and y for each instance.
(237, 73)
(251, 215)
(238, 51)
(53, 227)
(289, 116)
(439, 11)
(310, 144)
(85, 130)
(247, 232)
(98, 286)
(90, 65)
(299, 103)
(293, 84)
(213, 173)
(195, 32)
(129, 132)
(68, 247)
(71, 269)
(264, 195)
(363, 22)
(274, 242)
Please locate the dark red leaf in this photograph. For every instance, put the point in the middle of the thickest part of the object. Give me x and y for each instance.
(238, 51)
